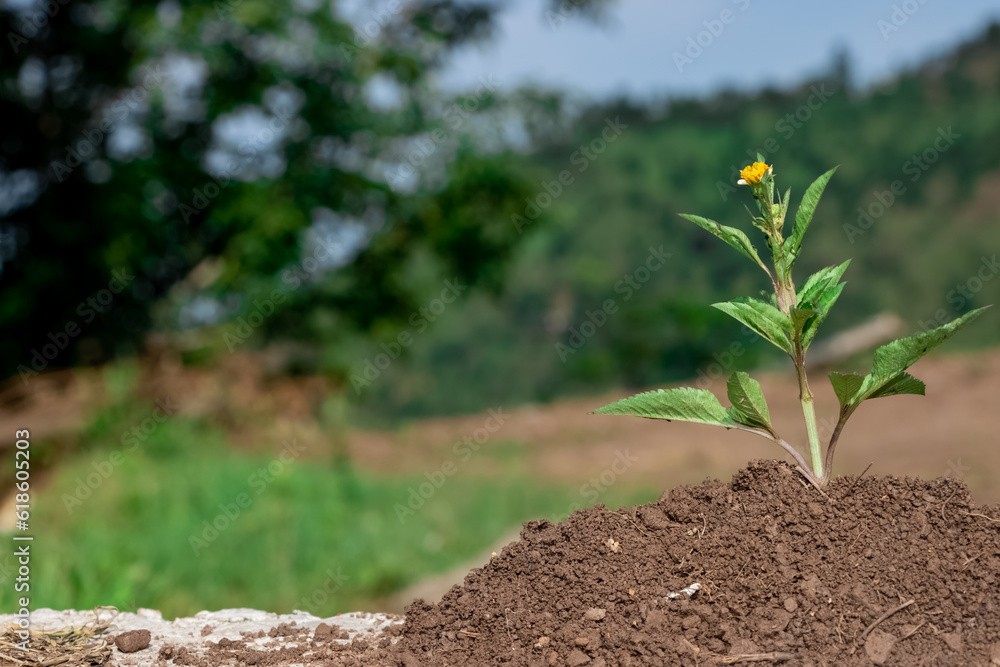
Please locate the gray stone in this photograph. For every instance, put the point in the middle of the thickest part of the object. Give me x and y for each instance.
(187, 632)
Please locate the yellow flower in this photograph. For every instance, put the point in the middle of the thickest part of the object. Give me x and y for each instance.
(752, 174)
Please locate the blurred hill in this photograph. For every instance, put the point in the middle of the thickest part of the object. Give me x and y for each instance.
(512, 276)
(915, 203)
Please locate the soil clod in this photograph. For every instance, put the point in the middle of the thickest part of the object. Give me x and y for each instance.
(132, 641)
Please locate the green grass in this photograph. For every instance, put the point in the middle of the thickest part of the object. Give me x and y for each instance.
(316, 536)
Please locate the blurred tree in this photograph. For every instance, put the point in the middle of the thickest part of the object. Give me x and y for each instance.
(227, 154)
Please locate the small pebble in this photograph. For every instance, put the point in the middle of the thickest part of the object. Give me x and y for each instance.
(542, 642)
(791, 604)
(595, 614)
(581, 641)
(132, 641)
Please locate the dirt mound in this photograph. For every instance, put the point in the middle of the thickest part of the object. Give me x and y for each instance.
(881, 571)
(763, 569)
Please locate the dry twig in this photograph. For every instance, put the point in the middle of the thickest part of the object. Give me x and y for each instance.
(885, 616)
(945, 503)
(858, 478)
(753, 657)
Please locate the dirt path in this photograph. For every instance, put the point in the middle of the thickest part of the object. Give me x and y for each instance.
(953, 431)
(950, 432)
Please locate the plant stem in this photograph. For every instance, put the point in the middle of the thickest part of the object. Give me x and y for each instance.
(809, 412)
(784, 292)
(845, 413)
(814, 450)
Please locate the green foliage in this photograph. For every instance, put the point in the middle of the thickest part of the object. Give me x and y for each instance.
(765, 319)
(904, 383)
(846, 386)
(819, 293)
(749, 406)
(683, 404)
(790, 322)
(699, 405)
(734, 237)
(804, 215)
(603, 224)
(238, 220)
(888, 377)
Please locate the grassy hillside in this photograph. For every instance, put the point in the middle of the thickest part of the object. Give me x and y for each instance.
(915, 203)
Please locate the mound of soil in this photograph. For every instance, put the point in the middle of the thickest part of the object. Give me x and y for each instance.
(764, 569)
(879, 571)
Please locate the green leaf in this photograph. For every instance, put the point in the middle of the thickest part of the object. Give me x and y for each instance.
(897, 356)
(904, 383)
(826, 301)
(820, 282)
(784, 206)
(749, 407)
(846, 386)
(820, 292)
(888, 377)
(793, 244)
(734, 237)
(800, 315)
(769, 322)
(683, 404)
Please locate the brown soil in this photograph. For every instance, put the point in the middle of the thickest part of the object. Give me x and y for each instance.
(880, 570)
(130, 642)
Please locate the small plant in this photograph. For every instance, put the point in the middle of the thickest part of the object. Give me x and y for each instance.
(789, 320)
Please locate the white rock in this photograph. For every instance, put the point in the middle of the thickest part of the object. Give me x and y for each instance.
(186, 632)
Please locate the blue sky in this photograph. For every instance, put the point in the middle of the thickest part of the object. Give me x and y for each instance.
(756, 42)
